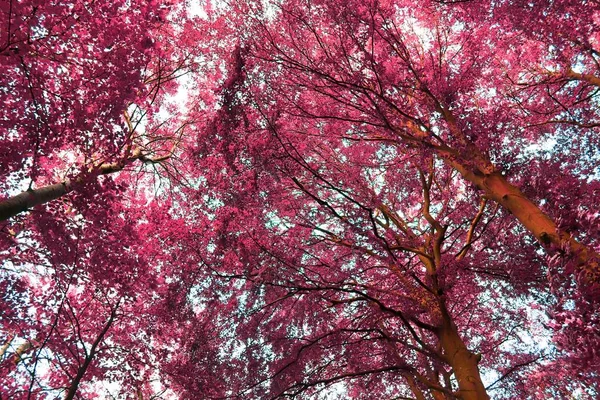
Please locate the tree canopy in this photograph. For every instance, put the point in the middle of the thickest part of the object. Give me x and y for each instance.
(306, 199)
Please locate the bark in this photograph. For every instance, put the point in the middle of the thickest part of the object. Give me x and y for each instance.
(589, 78)
(35, 197)
(21, 350)
(412, 384)
(497, 188)
(463, 362)
(30, 198)
(437, 395)
(5, 346)
(485, 176)
(431, 382)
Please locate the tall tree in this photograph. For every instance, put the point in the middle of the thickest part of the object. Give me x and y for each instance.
(379, 200)
(316, 83)
(86, 301)
(368, 273)
(421, 80)
(82, 88)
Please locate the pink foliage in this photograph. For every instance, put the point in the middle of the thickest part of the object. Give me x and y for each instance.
(366, 199)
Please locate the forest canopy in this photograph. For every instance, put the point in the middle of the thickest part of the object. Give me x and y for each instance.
(308, 199)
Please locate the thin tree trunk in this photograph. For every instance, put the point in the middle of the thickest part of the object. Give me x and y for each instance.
(30, 198)
(90, 356)
(464, 364)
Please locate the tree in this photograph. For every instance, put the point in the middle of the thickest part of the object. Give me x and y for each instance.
(378, 201)
(416, 86)
(347, 293)
(60, 56)
(80, 286)
(86, 304)
(348, 272)
(317, 84)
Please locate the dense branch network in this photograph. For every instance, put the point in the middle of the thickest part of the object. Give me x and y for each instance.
(299, 199)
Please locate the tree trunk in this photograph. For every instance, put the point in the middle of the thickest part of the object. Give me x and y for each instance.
(414, 387)
(463, 362)
(31, 198)
(75, 383)
(90, 356)
(497, 188)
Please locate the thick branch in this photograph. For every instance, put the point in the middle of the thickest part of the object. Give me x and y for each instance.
(31, 198)
(589, 78)
(28, 199)
(497, 188)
